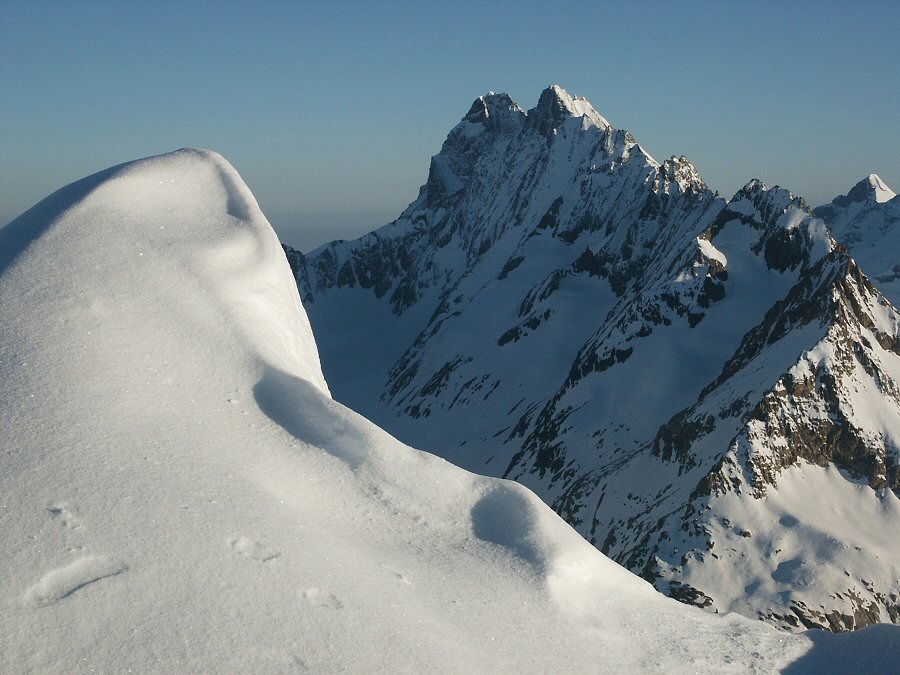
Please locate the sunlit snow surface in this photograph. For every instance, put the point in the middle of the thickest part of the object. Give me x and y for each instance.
(179, 493)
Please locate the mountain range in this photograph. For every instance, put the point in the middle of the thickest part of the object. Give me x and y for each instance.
(706, 389)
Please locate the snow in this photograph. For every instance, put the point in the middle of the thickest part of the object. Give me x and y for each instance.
(743, 207)
(882, 192)
(865, 221)
(711, 252)
(180, 493)
(792, 218)
(815, 515)
(471, 129)
(820, 237)
(518, 358)
(579, 106)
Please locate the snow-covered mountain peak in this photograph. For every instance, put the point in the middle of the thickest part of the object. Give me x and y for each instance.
(491, 118)
(881, 192)
(678, 171)
(765, 201)
(495, 111)
(753, 185)
(789, 237)
(655, 319)
(555, 105)
(877, 189)
(871, 189)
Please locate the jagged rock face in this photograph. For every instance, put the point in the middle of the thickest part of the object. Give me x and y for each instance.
(663, 367)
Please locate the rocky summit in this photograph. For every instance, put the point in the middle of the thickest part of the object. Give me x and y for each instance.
(708, 390)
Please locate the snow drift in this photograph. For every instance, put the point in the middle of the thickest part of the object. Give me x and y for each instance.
(180, 493)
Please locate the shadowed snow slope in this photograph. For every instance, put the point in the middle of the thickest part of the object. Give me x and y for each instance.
(180, 493)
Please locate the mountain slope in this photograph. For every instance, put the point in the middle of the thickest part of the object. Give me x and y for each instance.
(433, 281)
(867, 221)
(570, 313)
(180, 493)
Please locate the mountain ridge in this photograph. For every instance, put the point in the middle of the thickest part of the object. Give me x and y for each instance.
(564, 317)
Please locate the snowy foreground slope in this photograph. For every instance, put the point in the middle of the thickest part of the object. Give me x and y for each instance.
(707, 389)
(180, 493)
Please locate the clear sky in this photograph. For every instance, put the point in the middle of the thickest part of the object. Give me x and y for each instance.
(331, 110)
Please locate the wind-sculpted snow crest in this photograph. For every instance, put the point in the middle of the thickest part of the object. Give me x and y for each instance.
(181, 494)
(185, 218)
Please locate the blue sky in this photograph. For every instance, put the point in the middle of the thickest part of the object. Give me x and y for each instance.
(331, 110)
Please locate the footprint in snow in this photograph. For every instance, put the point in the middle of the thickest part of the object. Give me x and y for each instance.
(65, 514)
(60, 583)
(248, 548)
(397, 575)
(319, 598)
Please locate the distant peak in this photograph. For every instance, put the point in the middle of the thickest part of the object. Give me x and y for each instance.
(754, 185)
(882, 192)
(765, 199)
(491, 105)
(678, 171)
(871, 188)
(556, 104)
